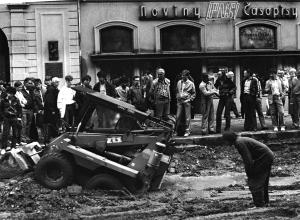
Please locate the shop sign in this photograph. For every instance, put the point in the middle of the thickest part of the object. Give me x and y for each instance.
(222, 10)
(169, 13)
(269, 12)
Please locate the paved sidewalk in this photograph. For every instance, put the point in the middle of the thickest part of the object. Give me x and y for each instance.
(238, 125)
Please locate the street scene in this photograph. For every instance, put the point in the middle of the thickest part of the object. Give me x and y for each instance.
(149, 110)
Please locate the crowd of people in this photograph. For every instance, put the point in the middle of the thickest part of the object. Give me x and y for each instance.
(26, 107)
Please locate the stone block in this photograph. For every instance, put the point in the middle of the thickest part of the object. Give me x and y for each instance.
(19, 36)
(74, 189)
(17, 23)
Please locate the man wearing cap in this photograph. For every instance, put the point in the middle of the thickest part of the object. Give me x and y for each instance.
(161, 94)
(136, 93)
(226, 89)
(185, 94)
(249, 92)
(296, 97)
(274, 88)
(122, 89)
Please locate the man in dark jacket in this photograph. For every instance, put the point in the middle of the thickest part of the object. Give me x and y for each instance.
(30, 107)
(226, 89)
(11, 112)
(80, 97)
(258, 159)
(249, 92)
(51, 112)
(105, 88)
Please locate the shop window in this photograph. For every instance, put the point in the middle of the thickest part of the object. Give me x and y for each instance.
(257, 37)
(180, 38)
(116, 39)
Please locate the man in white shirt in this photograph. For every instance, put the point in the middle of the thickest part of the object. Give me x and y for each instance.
(274, 87)
(66, 101)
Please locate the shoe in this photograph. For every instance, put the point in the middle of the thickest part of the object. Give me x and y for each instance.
(238, 116)
(23, 143)
(186, 134)
(8, 149)
(203, 133)
(211, 132)
(282, 128)
(17, 144)
(264, 128)
(275, 129)
(3, 151)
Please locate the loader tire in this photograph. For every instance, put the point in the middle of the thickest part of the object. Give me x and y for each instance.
(104, 182)
(54, 171)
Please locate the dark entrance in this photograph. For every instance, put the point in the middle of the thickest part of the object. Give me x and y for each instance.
(4, 58)
(173, 67)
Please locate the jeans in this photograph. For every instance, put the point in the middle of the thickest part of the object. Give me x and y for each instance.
(70, 114)
(162, 108)
(208, 115)
(296, 100)
(187, 110)
(224, 102)
(7, 124)
(258, 108)
(249, 110)
(27, 116)
(276, 109)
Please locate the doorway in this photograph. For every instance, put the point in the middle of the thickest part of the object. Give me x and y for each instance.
(173, 67)
(4, 58)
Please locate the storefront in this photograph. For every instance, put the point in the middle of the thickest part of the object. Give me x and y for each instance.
(130, 38)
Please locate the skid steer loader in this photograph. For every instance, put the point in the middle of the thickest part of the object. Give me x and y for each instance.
(112, 144)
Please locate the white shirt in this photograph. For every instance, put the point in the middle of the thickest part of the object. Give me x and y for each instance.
(102, 89)
(247, 86)
(65, 97)
(21, 98)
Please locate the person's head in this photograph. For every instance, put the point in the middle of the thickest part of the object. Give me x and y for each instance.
(48, 80)
(229, 137)
(205, 77)
(292, 72)
(272, 73)
(86, 80)
(101, 76)
(69, 80)
(230, 75)
(123, 81)
(246, 72)
(1, 83)
(38, 83)
(55, 82)
(11, 91)
(160, 73)
(185, 75)
(219, 74)
(18, 85)
(136, 80)
(28, 83)
(280, 73)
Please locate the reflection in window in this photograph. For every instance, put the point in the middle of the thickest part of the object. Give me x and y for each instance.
(257, 37)
(180, 38)
(216, 65)
(116, 39)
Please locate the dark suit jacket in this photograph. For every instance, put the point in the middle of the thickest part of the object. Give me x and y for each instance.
(50, 105)
(110, 89)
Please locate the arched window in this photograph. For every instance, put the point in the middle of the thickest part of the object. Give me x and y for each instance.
(116, 39)
(180, 38)
(259, 34)
(258, 37)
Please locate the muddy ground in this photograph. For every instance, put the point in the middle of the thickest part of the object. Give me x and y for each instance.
(22, 198)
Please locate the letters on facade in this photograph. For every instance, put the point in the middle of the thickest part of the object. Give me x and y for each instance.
(222, 10)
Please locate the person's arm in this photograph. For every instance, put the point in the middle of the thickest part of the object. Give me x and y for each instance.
(247, 158)
(19, 110)
(193, 92)
(232, 88)
(268, 86)
(204, 91)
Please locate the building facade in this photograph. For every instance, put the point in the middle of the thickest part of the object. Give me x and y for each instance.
(39, 39)
(133, 37)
